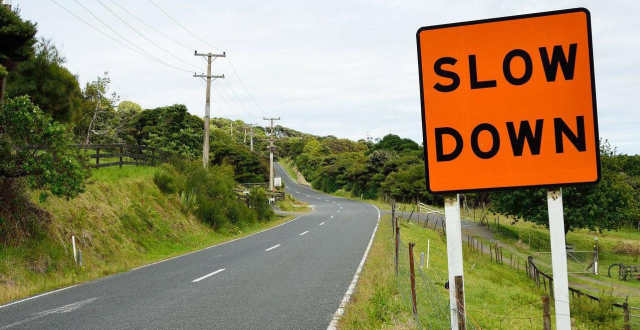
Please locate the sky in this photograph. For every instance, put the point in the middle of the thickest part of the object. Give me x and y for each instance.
(346, 68)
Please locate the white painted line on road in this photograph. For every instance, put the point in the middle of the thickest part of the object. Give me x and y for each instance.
(304, 233)
(334, 202)
(273, 247)
(38, 296)
(322, 223)
(338, 211)
(297, 192)
(327, 200)
(331, 216)
(341, 207)
(308, 196)
(59, 310)
(347, 296)
(208, 275)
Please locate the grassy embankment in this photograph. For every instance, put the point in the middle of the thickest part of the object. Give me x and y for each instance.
(496, 295)
(122, 221)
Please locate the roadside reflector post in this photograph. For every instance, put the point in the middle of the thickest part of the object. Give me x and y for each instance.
(454, 257)
(75, 253)
(559, 258)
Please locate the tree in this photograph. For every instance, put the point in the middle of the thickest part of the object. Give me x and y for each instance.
(129, 106)
(395, 143)
(35, 149)
(47, 82)
(17, 37)
(606, 205)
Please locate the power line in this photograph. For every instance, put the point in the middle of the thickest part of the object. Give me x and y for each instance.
(182, 26)
(154, 29)
(243, 86)
(214, 101)
(234, 101)
(145, 37)
(125, 39)
(108, 36)
(230, 107)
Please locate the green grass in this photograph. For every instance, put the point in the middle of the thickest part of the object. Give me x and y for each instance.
(496, 296)
(290, 204)
(528, 238)
(122, 221)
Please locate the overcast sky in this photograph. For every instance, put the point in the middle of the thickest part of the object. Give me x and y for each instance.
(325, 67)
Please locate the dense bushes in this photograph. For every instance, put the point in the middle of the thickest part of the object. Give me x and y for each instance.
(208, 194)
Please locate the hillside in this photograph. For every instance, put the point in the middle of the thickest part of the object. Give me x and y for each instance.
(120, 222)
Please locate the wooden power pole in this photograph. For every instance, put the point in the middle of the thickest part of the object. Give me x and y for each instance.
(205, 145)
(271, 149)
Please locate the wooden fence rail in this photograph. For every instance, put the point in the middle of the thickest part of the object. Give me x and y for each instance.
(125, 154)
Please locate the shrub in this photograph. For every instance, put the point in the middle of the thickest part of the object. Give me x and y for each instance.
(188, 201)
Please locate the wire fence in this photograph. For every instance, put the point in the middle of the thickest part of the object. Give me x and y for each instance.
(428, 298)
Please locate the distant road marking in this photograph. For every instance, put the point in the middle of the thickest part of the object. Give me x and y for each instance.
(331, 216)
(322, 223)
(334, 202)
(327, 200)
(297, 192)
(273, 247)
(341, 207)
(38, 296)
(347, 296)
(59, 310)
(208, 275)
(304, 233)
(338, 211)
(308, 196)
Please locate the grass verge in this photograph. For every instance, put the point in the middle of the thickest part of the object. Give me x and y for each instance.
(497, 296)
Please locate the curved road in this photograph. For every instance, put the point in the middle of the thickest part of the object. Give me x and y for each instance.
(289, 277)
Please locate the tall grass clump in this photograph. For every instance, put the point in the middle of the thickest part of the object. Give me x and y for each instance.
(209, 195)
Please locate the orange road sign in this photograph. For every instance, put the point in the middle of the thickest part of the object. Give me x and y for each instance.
(509, 103)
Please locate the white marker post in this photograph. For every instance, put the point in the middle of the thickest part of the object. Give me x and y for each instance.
(454, 252)
(75, 254)
(559, 258)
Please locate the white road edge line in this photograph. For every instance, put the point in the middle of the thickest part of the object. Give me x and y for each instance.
(322, 223)
(208, 275)
(38, 296)
(347, 296)
(304, 233)
(273, 247)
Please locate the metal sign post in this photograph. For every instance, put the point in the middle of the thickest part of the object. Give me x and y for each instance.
(559, 258)
(454, 252)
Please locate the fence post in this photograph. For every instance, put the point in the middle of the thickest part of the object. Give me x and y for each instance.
(97, 156)
(121, 152)
(546, 312)
(625, 308)
(413, 281)
(397, 236)
(460, 299)
(393, 216)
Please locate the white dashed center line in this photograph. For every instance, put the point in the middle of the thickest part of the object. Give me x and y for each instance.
(304, 233)
(322, 223)
(208, 275)
(273, 247)
(331, 216)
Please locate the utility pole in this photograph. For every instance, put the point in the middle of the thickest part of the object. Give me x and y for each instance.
(205, 145)
(251, 133)
(271, 148)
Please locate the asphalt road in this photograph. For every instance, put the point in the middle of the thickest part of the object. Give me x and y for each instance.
(289, 277)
